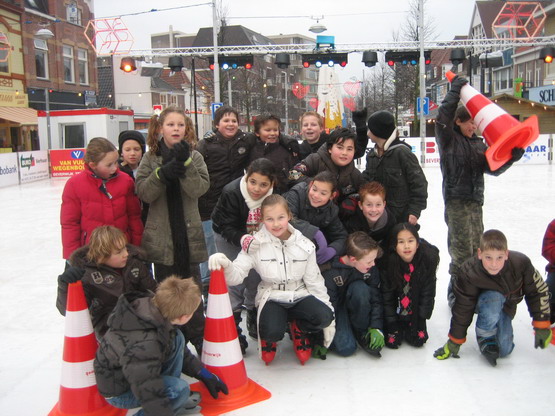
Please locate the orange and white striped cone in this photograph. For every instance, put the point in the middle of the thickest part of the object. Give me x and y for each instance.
(501, 130)
(221, 355)
(78, 392)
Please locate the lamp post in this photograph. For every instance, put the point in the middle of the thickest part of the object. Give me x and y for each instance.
(286, 86)
(422, 82)
(47, 109)
(215, 30)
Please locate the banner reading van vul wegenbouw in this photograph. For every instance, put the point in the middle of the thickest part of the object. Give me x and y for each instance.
(33, 166)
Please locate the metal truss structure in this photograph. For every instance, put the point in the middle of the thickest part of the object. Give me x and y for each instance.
(475, 44)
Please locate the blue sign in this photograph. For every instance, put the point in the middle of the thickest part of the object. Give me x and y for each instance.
(426, 105)
(214, 107)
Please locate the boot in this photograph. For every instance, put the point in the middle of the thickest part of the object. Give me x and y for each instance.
(268, 350)
(251, 323)
(301, 343)
(490, 349)
(242, 339)
(363, 339)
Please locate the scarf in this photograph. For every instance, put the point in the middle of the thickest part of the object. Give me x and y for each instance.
(176, 216)
(254, 218)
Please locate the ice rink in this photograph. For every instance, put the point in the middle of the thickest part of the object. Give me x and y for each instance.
(407, 381)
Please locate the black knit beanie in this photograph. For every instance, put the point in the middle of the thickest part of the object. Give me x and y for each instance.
(131, 135)
(382, 124)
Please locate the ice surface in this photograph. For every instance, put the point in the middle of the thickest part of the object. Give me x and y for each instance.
(408, 381)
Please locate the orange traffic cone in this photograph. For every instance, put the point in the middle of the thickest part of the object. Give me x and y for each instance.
(501, 130)
(221, 354)
(78, 393)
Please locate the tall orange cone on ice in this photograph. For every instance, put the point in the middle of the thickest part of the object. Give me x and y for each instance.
(78, 393)
(501, 130)
(221, 354)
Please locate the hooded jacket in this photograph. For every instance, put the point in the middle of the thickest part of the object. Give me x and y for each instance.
(401, 175)
(131, 354)
(89, 201)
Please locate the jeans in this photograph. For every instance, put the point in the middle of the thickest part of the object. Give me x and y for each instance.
(176, 389)
(492, 321)
(353, 315)
(210, 247)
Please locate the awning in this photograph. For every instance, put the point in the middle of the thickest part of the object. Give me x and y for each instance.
(21, 115)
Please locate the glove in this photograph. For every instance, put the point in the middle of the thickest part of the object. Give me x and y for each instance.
(72, 275)
(542, 337)
(293, 147)
(418, 335)
(250, 244)
(393, 340)
(376, 339)
(212, 383)
(172, 170)
(325, 254)
(182, 151)
(218, 261)
(320, 240)
(359, 118)
(329, 333)
(349, 205)
(319, 352)
(458, 83)
(517, 153)
(450, 349)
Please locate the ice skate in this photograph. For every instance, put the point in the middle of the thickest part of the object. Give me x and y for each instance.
(301, 343)
(268, 351)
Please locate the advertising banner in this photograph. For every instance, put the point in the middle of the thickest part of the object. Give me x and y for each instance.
(66, 162)
(33, 166)
(8, 169)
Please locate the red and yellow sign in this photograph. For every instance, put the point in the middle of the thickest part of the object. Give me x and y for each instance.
(66, 162)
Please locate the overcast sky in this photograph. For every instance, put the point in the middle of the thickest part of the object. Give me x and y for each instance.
(350, 21)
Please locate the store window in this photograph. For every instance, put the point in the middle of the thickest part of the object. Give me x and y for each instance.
(41, 58)
(83, 63)
(69, 69)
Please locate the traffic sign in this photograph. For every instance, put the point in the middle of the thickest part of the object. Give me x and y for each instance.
(214, 107)
(426, 105)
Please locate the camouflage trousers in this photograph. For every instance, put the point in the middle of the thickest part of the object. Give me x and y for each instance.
(464, 228)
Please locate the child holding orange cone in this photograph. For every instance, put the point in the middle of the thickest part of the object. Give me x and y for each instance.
(292, 288)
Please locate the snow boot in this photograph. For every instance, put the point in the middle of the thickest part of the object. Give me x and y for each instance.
(268, 351)
(363, 339)
(242, 339)
(251, 323)
(301, 342)
(489, 349)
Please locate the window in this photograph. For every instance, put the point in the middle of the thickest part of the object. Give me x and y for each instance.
(83, 65)
(74, 136)
(69, 70)
(41, 58)
(73, 14)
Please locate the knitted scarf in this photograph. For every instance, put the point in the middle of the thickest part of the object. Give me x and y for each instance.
(176, 216)
(254, 217)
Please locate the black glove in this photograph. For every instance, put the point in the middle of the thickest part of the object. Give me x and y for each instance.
(212, 383)
(359, 118)
(418, 334)
(458, 83)
(172, 170)
(393, 340)
(293, 147)
(517, 153)
(72, 275)
(182, 151)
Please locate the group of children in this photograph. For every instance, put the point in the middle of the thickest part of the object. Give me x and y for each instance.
(308, 244)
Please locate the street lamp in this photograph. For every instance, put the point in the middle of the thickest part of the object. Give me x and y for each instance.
(317, 28)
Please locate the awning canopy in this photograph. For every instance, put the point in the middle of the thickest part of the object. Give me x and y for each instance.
(21, 115)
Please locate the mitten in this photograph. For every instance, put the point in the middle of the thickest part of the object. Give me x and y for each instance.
(359, 118)
(325, 254)
(376, 339)
(418, 334)
(72, 275)
(293, 147)
(218, 261)
(450, 349)
(329, 333)
(182, 151)
(250, 244)
(320, 240)
(172, 170)
(393, 340)
(542, 337)
(212, 383)
(517, 153)
(458, 83)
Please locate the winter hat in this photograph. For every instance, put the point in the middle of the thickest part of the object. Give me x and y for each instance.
(131, 135)
(382, 124)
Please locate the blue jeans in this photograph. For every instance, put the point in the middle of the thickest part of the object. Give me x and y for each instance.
(210, 247)
(492, 321)
(352, 315)
(176, 389)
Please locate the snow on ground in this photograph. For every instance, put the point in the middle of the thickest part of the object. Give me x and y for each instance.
(405, 381)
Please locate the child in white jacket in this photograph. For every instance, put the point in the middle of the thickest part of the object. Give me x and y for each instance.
(292, 288)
